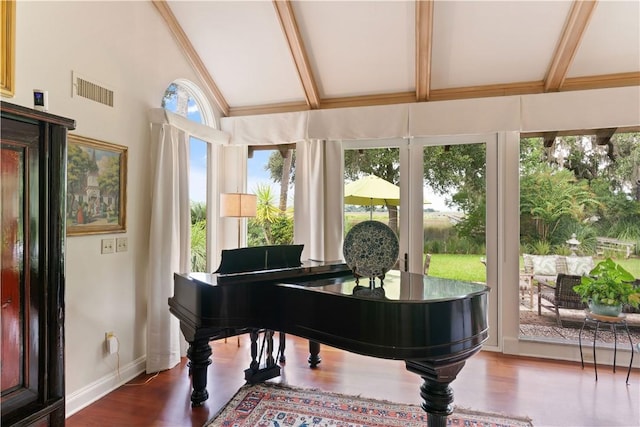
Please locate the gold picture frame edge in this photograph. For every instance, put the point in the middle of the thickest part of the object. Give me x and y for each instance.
(121, 227)
(7, 61)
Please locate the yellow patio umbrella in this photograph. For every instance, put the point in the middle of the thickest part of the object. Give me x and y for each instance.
(371, 191)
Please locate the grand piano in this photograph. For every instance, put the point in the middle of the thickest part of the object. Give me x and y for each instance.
(433, 324)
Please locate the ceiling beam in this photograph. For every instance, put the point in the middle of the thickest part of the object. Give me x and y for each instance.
(424, 43)
(284, 10)
(602, 81)
(369, 100)
(574, 29)
(484, 91)
(192, 57)
(282, 107)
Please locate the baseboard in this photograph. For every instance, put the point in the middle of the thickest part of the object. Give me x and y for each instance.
(97, 389)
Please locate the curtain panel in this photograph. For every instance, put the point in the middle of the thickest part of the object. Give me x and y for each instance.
(169, 230)
(318, 199)
(267, 129)
(376, 122)
(169, 243)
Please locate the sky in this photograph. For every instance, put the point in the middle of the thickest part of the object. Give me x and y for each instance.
(257, 175)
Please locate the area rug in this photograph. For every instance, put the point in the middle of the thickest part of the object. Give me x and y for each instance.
(275, 405)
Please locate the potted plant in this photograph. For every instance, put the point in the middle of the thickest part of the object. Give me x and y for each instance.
(607, 287)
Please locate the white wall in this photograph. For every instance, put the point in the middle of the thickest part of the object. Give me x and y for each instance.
(127, 47)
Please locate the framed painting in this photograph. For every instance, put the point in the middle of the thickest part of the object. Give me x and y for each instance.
(7, 46)
(96, 187)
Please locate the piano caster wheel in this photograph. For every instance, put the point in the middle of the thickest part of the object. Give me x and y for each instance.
(198, 398)
(314, 354)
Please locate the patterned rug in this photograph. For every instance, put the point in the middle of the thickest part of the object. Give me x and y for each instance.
(275, 405)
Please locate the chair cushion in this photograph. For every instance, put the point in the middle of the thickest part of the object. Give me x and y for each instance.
(561, 265)
(579, 265)
(544, 265)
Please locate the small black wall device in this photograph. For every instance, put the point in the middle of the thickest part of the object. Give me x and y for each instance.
(40, 100)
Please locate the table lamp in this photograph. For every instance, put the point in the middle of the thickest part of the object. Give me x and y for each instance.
(238, 205)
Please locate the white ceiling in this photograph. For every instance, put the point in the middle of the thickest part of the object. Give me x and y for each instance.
(330, 54)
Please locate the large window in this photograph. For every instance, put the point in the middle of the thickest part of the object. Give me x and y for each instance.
(457, 179)
(579, 204)
(441, 216)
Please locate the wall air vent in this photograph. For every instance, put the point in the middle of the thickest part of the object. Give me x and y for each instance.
(87, 89)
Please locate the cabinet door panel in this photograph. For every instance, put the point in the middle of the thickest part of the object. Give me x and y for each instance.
(11, 263)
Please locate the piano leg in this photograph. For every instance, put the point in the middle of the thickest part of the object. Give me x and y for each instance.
(281, 347)
(270, 361)
(435, 391)
(314, 354)
(254, 334)
(199, 353)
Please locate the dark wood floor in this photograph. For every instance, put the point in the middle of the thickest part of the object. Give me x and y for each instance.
(551, 393)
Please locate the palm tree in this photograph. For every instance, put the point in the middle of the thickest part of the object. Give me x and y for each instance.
(199, 246)
(266, 210)
(198, 212)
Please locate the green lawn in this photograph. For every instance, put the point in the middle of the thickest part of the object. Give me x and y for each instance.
(469, 267)
(459, 267)
(631, 264)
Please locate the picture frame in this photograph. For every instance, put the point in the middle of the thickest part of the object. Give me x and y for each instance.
(7, 47)
(96, 186)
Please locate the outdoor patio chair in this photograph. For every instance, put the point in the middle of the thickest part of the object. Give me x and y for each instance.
(561, 295)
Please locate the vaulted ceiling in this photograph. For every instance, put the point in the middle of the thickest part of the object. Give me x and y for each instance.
(258, 57)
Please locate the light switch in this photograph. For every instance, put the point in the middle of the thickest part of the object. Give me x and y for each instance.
(122, 244)
(108, 246)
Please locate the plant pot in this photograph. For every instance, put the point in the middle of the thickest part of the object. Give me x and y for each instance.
(605, 310)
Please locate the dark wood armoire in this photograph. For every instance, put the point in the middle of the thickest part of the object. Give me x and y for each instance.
(33, 150)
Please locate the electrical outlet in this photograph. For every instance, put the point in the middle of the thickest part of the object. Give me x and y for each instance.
(122, 244)
(111, 342)
(108, 246)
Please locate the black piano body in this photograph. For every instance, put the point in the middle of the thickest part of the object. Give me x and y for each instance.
(432, 324)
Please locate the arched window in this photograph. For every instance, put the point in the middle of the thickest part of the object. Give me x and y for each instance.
(184, 98)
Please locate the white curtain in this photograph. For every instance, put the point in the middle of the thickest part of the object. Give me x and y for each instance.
(318, 199)
(169, 243)
(373, 122)
(267, 129)
(169, 230)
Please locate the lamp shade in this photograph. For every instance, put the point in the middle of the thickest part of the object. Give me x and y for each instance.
(238, 205)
